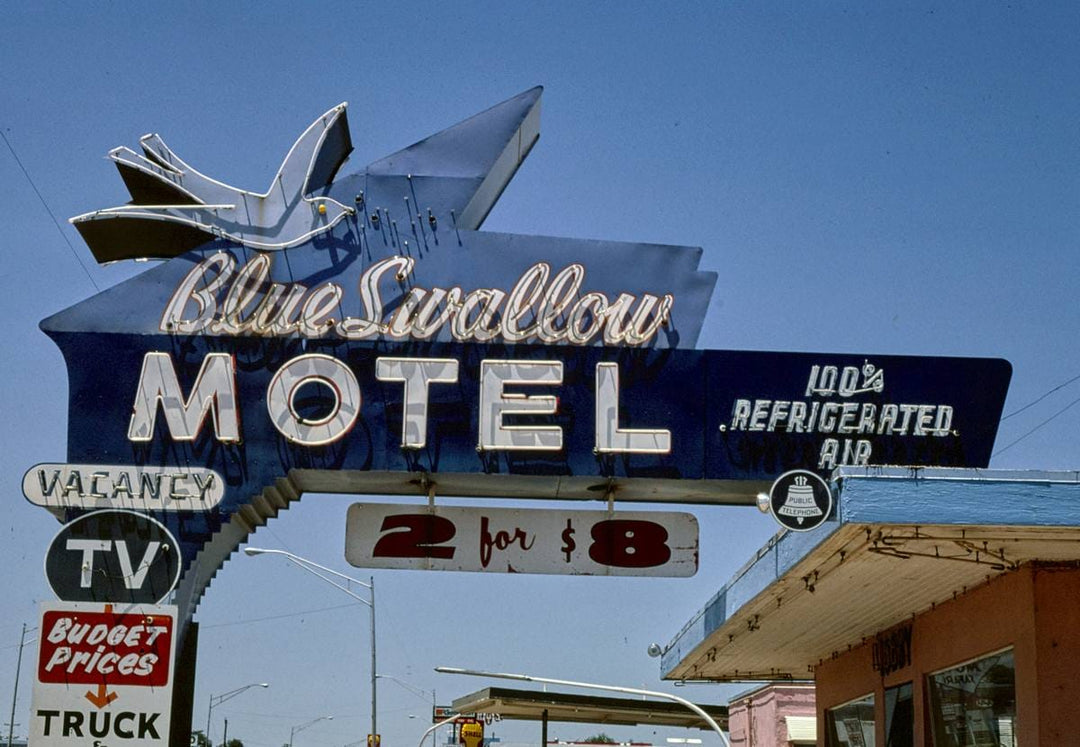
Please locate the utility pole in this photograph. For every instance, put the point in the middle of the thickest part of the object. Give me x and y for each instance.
(15, 690)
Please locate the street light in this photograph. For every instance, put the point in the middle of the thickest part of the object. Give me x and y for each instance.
(311, 567)
(303, 726)
(215, 701)
(411, 688)
(431, 729)
(419, 693)
(610, 688)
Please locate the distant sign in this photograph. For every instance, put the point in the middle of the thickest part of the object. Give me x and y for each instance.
(506, 540)
(104, 676)
(471, 733)
(97, 486)
(892, 650)
(113, 556)
(442, 713)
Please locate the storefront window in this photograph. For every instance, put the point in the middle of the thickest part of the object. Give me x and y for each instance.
(974, 704)
(852, 724)
(899, 717)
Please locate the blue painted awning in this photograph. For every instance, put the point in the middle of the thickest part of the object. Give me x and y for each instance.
(901, 540)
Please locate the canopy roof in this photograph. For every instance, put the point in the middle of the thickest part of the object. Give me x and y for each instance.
(530, 705)
(902, 540)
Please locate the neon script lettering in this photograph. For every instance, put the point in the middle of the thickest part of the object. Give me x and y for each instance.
(217, 298)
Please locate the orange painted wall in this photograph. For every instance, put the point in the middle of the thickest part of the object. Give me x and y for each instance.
(1057, 651)
(1035, 610)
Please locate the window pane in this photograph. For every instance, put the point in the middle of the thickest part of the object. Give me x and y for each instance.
(974, 705)
(899, 717)
(852, 725)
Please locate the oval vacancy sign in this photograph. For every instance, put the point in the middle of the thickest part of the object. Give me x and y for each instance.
(111, 486)
(115, 557)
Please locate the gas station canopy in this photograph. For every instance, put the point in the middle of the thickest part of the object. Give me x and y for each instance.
(536, 705)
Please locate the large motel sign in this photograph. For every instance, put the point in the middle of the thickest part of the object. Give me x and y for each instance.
(358, 333)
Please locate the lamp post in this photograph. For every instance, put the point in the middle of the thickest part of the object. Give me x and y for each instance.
(589, 685)
(415, 691)
(217, 700)
(15, 690)
(311, 567)
(303, 726)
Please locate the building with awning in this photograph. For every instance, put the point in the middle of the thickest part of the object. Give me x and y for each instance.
(935, 607)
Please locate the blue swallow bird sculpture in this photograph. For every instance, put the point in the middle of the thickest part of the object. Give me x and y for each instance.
(175, 208)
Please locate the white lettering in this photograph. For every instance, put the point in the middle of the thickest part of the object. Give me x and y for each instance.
(88, 548)
(313, 369)
(214, 392)
(740, 415)
(201, 285)
(610, 438)
(133, 578)
(521, 301)
(369, 326)
(495, 404)
(533, 310)
(417, 374)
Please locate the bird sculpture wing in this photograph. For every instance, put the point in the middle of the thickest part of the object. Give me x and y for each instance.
(175, 207)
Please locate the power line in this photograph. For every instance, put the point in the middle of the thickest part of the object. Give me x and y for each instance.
(48, 210)
(1040, 399)
(1040, 425)
(277, 617)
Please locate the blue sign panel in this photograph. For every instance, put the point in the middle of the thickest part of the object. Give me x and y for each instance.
(251, 410)
(359, 333)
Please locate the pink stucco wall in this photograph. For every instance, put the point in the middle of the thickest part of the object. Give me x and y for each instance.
(757, 718)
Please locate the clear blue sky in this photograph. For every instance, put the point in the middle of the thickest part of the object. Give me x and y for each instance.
(865, 177)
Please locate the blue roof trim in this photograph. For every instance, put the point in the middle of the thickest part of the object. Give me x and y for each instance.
(892, 495)
(950, 496)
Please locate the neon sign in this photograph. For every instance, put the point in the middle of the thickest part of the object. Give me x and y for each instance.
(540, 307)
(359, 333)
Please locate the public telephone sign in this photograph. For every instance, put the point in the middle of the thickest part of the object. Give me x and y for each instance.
(104, 675)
